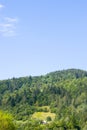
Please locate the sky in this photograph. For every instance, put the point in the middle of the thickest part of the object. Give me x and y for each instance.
(41, 36)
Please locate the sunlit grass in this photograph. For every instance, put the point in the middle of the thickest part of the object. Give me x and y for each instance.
(43, 115)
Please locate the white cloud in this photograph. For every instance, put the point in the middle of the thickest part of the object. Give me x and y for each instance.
(1, 6)
(8, 19)
(8, 27)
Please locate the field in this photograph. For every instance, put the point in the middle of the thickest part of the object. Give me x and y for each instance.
(43, 115)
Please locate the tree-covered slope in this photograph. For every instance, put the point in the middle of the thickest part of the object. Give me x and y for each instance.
(60, 90)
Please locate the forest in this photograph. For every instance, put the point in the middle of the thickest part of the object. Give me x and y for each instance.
(55, 101)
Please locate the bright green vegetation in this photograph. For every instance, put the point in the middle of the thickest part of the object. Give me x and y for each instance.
(59, 98)
(6, 122)
(43, 116)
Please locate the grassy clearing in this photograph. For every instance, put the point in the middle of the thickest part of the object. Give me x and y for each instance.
(43, 115)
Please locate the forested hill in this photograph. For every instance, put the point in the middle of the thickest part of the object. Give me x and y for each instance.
(67, 74)
(61, 91)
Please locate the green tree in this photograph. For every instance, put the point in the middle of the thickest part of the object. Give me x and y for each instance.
(6, 122)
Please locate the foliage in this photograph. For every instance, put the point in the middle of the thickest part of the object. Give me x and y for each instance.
(6, 122)
(48, 118)
(62, 92)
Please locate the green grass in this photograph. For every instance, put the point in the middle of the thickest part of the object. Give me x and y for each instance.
(43, 115)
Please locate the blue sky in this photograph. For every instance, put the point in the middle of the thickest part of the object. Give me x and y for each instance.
(40, 36)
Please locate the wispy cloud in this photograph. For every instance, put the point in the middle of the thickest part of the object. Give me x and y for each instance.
(8, 19)
(1, 6)
(8, 27)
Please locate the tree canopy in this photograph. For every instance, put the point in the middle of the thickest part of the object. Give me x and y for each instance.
(64, 92)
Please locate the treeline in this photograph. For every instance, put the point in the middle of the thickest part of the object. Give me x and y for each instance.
(65, 92)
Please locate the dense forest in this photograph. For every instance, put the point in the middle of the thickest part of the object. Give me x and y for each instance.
(55, 101)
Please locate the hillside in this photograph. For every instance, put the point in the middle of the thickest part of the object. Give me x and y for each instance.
(63, 92)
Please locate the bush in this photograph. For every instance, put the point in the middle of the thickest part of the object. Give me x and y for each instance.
(6, 122)
(49, 118)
